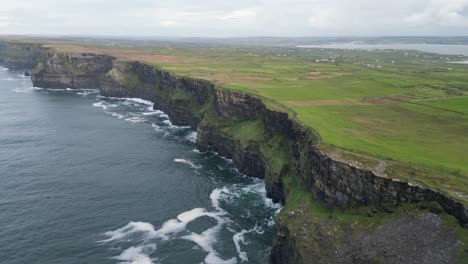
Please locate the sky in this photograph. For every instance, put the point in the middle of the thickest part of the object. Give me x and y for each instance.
(235, 18)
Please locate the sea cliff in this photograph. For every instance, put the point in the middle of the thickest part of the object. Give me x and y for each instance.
(334, 212)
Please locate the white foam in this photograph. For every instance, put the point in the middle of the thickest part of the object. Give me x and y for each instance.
(271, 221)
(119, 116)
(179, 224)
(26, 90)
(104, 105)
(206, 240)
(135, 119)
(156, 127)
(239, 238)
(3, 68)
(191, 215)
(147, 237)
(189, 162)
(128, 229)
(100, 104)
(215, 197)
(170, 125)
(86, 92)
(260, 189)
(155, 112)
(137, 255)
(138, 100)
(168, 122)
(192, 136)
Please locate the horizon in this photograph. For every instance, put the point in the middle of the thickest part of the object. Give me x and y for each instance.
(212, 19)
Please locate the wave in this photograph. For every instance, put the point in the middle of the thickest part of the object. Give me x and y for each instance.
(239, 238)
(26, 90)
(119, 116)
(135, 119)
(209, 237)
(192, 136)
(156, 127)
(86, 92)
(146, 233)
(206, 241)
(138, 101)
(60, 89)
(146, 239)
(137, 255)
(260, 189)
(100, 104)
(153, 112)
(104, 105)
(129, 229)
(189, 162)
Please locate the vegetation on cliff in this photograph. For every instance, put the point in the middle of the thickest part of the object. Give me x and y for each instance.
(401, 114)
(246, 135)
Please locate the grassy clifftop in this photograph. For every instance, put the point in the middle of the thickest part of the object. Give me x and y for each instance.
(402, 114)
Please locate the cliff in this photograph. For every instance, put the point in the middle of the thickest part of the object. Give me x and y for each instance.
(334, 212)
(22, 55)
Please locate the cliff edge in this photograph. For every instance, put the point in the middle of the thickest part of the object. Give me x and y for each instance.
(334, 212)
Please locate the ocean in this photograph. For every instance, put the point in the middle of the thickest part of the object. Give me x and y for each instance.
(90, 179)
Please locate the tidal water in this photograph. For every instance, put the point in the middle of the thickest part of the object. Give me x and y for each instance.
(431, 48)
(89, 179)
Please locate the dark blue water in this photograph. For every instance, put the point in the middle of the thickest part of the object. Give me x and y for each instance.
(86, 179)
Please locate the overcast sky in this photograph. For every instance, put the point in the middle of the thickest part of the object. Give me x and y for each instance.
(225, 18)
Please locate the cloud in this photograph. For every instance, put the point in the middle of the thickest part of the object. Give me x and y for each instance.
(238, 15)
(442, 12)
(216, 18)
(4, 21)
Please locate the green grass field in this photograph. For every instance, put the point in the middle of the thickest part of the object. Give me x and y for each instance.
(407, 110)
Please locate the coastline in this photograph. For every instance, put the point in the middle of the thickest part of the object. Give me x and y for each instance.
(262, 142)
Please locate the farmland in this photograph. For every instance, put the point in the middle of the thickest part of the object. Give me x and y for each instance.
(402, 114)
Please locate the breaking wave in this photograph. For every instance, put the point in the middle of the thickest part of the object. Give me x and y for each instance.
(146, 239)
(189, 162)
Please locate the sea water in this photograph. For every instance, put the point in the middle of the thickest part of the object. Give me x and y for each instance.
(90, 179)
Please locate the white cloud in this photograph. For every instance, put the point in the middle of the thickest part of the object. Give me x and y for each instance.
(442, 12)
(235, 18)
(4, 21)
(239, 15)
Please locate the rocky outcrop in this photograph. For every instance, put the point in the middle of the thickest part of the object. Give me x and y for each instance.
(22, 55)
(276, 144)
(72, 71)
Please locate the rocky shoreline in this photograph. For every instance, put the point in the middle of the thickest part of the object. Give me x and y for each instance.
(263, 143)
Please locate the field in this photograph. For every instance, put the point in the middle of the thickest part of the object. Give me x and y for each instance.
(403, 114)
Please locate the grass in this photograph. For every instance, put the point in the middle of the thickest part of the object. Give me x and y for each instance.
(330, 225)
(403, 107)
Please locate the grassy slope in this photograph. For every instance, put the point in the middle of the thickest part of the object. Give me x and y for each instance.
(412, 109)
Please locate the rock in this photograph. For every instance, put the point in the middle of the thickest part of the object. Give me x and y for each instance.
(212, 111)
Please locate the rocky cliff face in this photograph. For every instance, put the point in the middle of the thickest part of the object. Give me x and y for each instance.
(21, 55)
(262, 142)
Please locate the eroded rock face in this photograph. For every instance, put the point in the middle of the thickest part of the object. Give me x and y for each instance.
(74, 71)
(190, 102)
(412, 238)
(22, 55)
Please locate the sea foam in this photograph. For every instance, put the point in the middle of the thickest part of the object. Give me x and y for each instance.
(189, 162)
(137, 255)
